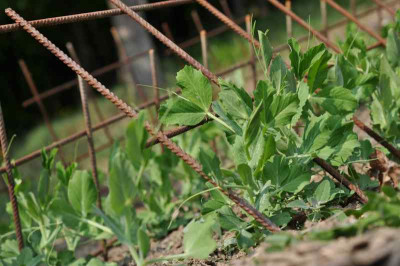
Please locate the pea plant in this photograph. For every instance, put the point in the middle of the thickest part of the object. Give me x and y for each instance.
(271, 141)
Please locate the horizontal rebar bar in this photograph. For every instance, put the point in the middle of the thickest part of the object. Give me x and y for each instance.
(92, 15)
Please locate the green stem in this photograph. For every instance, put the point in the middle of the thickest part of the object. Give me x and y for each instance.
(220, 121)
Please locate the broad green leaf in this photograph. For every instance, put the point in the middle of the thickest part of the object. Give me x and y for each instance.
(181, 112)
(295, 57)
(195, 87)
(44, 185)
(121, 184)
(198, 242)
(318, 70)
(225, 118)
(261, 150)
(266, 48)
(336, 100)
(144, 242)
(82, 192)
(281, 219)
(303, 95)
(297, 184)
(378, 113)
(346, 74)
(393, 48)
(136, 137)
(246, 175)
(245, 240)
(229, 220)
(281, 77)
(235, 101)
(323, 191)
(252, 127)
(277, 171)
(210, 163)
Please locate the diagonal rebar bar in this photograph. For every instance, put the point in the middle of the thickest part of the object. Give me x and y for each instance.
(10, 181)
(132, 113)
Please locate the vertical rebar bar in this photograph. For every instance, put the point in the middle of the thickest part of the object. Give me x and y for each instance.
(89, 134)
(252, 52)
(130, 75)
(42, 108)
(196, 20)
(92, 97)
(353, 7)
(204, 50)
(154, 79)
(289, 23)
(324, 19)
(10, 181)
(167, 30)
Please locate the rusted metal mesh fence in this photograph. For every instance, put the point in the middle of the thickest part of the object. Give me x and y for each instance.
(164, 137)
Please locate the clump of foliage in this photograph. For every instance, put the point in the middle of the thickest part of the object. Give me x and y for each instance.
(267, 159)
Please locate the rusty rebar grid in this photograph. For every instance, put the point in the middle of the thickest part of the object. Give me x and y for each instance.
(10, 181)
(32, 86)
(93, 15)
(304, 24)
(111, 120)
(362, 26)
(393, 150)
(265, 222)
(89, 135)
(196, 20)
(70, 84)
(382, 5)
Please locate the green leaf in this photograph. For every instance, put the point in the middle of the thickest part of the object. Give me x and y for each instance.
(323, 191)
(144, 242)
(281, 219)
(236, 101)
(195, 87)
(44, 185)
(346, 74)
(297, 184)
(281, 77)
(295, 57)
(82, 192)
(210, 163)
(229, 220)
(245, 240)
(252, 127)
(318, 70)
(198, 242)
(181, 112)
(266, 48)
(121, 184)
(97, 262)
(336, 100)
(393, 48)
(225, 118)
(136, 137)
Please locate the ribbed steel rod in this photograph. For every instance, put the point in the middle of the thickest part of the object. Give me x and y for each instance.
(10, 181)
(129, 111)
(93, 15)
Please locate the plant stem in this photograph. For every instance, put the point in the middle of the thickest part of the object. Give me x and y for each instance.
(220, 121)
